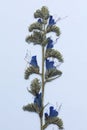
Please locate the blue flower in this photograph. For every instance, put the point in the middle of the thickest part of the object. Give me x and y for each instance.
(51, 20)
(33, 61)
(52, 113)
(37, 100)
(39, 21)
(50, 43)
(46, 115)
(49, 64)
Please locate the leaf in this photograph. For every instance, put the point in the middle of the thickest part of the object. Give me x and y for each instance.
(53, 53)
(38, 14)
(53, 120)
(35, 86)
(43, 13)
(53, 29)
(30, 70)
(31, 108)
(52, 72)
(34, 26)
(35, 38)
(51, 79)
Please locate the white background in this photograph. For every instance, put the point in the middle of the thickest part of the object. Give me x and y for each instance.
(70, 89)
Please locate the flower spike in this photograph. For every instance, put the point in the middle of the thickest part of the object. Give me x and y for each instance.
(39, 35)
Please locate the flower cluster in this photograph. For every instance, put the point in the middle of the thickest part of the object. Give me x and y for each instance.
(52, 113)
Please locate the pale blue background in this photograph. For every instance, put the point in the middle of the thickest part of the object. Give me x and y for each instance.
(70, 89)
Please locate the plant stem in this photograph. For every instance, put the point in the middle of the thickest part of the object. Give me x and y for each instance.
(42, 87)
(41, 118)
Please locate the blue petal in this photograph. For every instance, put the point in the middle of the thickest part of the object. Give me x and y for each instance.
(37, 100)
(33, 61)
(50, 43)
(39, 21)
(34, 57)
(46, 115)
(50, 18)
(49, 64)
(51, 21)
(51, 107)
(53, 113)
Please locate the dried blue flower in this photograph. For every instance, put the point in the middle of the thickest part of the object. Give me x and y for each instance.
(51, 20)
(49, 64)
(37, 100)
(33, 61)
(39, 21)
(50, 43)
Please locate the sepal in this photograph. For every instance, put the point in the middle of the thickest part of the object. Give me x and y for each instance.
(53, 53)
(35, 87)
(30, 70)
(52, 72)
(34, 26)
(53, 29)
(53, 120)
